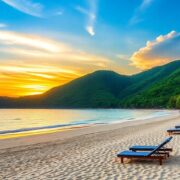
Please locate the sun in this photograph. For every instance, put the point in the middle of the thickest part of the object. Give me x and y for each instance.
(35, 89)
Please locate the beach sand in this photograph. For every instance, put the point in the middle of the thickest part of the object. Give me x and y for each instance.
(89, 153)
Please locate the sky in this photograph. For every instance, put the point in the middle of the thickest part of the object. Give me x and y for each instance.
(45, 43)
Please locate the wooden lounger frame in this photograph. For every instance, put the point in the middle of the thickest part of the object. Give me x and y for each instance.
(163, 151)
(166, 150)
(160, 150)
(173, 132)
(159, 157)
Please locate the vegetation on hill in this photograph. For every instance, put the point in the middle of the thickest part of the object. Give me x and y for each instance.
(162, 94)
(155, 88)
(97, 90)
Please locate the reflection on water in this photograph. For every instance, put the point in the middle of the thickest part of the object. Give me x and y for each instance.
(23, 120)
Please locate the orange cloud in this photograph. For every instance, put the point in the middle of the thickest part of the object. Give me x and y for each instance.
(164, 49)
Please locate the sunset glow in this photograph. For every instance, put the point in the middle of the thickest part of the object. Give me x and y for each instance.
(47, 44)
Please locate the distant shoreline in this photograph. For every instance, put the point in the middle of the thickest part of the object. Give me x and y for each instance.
(90, 108)
(59, 134)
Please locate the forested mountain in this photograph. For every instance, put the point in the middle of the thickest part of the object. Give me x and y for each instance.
(162, 94)
(155, 88)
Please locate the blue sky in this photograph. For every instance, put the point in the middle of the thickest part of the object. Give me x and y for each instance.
(127, 36)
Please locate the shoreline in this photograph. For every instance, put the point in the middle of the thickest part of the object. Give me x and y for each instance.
(41, 130)
(32, 138)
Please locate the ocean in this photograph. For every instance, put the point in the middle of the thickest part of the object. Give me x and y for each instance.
(29, 121)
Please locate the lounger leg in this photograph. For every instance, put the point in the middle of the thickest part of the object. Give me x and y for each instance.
(160, 161)
(122, 160)
(170, 133)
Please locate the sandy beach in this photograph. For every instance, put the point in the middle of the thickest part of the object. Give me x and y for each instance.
(89, 153)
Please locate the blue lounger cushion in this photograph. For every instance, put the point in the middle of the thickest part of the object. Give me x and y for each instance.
(178, 126)
(132, 153)
(144, 154)
(151, 148)
(138, 147)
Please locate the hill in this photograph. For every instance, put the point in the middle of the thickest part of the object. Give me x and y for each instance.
(96, 90)
(145, 79)
(156, 88)
(162, 94)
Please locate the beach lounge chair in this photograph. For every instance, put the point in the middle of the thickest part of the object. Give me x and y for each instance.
(151, 148)
(153, 155)
(173, 131)
(178, 126)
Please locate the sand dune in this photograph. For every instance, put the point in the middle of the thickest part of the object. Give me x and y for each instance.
(91, 153)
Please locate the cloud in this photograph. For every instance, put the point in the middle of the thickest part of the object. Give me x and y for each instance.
(29, 46)
(2, 25)
(30, 60)
(91, 16)
(18, 39)
(164, 49)
(145, 4)
(90, 30)
(26, 6)
(123, 56)
(136, 18)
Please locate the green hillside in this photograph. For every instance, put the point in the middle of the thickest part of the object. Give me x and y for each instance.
(156, 88)
(162, 94)
(148, 78)
(96, 90)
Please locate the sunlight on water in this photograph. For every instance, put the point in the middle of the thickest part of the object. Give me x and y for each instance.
(18, 122)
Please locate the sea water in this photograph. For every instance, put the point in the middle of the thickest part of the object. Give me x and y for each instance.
(15, 121)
